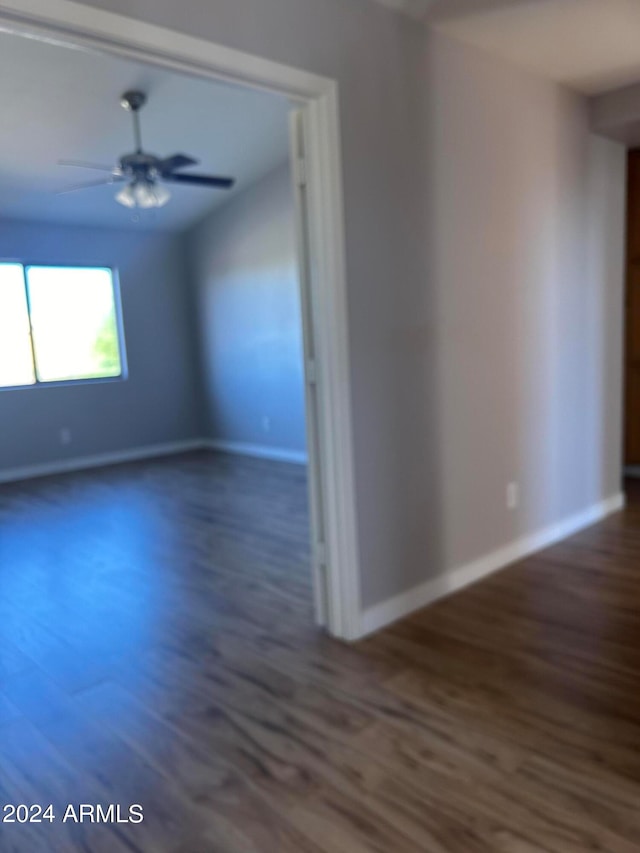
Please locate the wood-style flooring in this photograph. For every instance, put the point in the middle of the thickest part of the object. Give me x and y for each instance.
(157, 648)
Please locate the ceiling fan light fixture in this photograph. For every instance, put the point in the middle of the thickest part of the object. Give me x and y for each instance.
(143, 194)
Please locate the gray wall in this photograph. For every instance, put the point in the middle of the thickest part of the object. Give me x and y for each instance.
(243, 267)
(438, 300)
(157, 402)
(521, 325)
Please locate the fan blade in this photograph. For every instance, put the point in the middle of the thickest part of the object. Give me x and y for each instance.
(105, 182)
(81, 164)
(175, 162)
(200, 180)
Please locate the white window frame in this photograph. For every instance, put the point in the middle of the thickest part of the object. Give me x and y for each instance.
(89, 380)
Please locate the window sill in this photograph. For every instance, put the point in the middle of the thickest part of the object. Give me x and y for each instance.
(65, 383)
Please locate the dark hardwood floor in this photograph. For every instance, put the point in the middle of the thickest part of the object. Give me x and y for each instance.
(157, 648)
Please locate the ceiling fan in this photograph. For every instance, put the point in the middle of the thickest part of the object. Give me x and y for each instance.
(143, 174)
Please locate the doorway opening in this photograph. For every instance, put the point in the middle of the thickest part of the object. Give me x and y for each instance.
(319, 220)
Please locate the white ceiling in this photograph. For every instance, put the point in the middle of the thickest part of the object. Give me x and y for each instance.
(57, 103)
(590, 45)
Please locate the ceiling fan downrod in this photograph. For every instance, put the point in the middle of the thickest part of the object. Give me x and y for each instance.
(132, 102)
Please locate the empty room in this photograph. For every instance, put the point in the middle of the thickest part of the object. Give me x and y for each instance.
(319, 437)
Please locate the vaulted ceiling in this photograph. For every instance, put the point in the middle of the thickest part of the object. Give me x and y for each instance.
(59, 103)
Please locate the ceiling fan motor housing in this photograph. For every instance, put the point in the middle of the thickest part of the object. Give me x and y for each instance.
(133, 100)
(140, 166)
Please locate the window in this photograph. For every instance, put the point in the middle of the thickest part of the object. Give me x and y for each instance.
(57, 324)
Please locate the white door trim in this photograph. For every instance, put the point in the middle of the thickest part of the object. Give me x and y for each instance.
(85, 27)
(298, 135)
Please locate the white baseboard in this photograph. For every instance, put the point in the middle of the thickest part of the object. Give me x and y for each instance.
(384, 614)
(277, 454)
(100, 460)
(80, 463)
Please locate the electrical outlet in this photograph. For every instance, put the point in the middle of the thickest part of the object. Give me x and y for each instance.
(513, 496)
(65, 436)
(266, 423)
